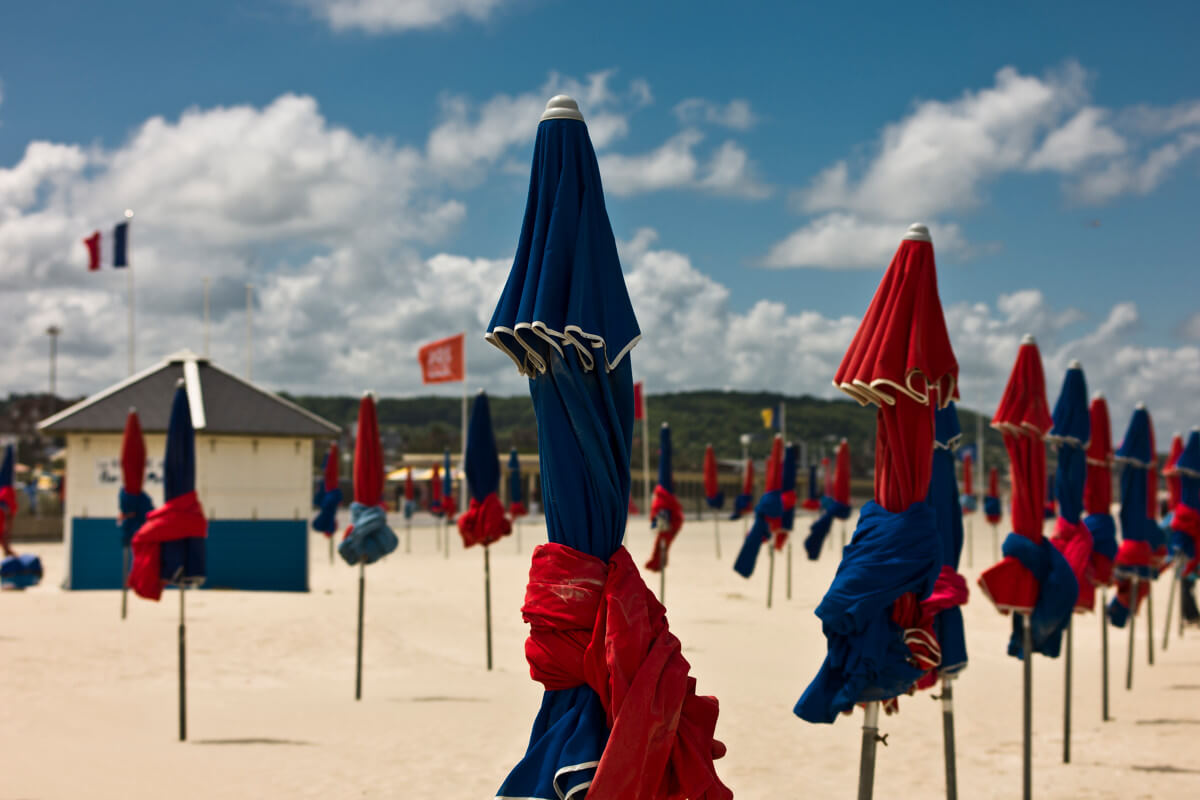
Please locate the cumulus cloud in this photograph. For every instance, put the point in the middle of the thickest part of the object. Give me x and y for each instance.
(675, 165)
(936, 163)
(469, 137)
(735, 114)
(692, 337)
(844, 241)
(396, 16)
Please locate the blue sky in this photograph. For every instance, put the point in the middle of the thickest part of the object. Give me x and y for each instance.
(1102, 216)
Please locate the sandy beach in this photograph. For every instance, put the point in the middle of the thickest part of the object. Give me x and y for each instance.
(90, 701)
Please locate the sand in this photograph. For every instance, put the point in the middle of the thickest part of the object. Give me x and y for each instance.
(89, 701)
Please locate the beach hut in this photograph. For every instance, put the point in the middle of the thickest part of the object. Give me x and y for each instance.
(254, 466)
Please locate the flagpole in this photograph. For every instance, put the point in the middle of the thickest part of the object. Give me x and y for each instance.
(129, 284)
(207, 283)
(249, 332)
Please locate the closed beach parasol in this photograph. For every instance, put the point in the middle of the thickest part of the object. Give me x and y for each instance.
(835, 505)
(1070, 437)
(901, 362)
(368, 538)
(133, 504)
(1033, 581)
(328, 498)
(620, 717)
(713, 495)
(1097, 505)
(484, 521)
(666, 514)
(169, 547)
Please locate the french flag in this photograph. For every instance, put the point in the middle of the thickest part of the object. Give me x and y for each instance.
(120, 247)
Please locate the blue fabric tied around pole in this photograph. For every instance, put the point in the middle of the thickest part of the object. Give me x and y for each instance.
(567, 285)
(133, 508)
(1104, 534)
(991, 506)
(968, 502)
(716, 501)
(327, 505)
(740, 504)
(890, 555)
(769, 505)
(1057, 591)
(830, 510)
(943, 499)
(370, 538)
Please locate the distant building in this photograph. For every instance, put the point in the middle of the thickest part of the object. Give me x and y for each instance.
(254, 456)
(19, 418)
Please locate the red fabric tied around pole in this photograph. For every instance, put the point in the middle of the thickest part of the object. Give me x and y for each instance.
(917, 619)
(1024, 419)
(483, 523)
(789, 504)
(596, 623)
(181, 518)
(1074, 541)
(1187, 520)
(1133, 553)
(517, 509)
(664, 502)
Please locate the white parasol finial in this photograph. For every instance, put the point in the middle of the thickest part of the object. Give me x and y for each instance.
(1028, 339)
(918, 233)
(1075, 364)
(562, 106)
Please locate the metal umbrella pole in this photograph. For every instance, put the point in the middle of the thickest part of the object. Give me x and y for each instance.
(1027, 717)
(662, 571)
(487, 601)
(1103, 654)
(330, 538)
(1170, 606)
(947, 698)
(770, 572)
(870, 738)
(1150, 622)
(717, 531)
(182, 666)
(125, 581)
(970, 542)
(1133, 603)
(1067, 695)
(362, 583)
(789, 566)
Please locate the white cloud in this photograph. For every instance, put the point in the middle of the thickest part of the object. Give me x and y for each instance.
(692, 337)
(938, 161)
(468, 138)
(1084, 137)
(1134, 176)
(395, 16)
(674, 165)
(844, 241)
(735, 114)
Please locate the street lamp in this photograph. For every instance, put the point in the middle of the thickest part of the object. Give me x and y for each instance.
(745, 439)
(53, 331)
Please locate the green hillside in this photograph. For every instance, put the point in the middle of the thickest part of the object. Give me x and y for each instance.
(430, 424)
